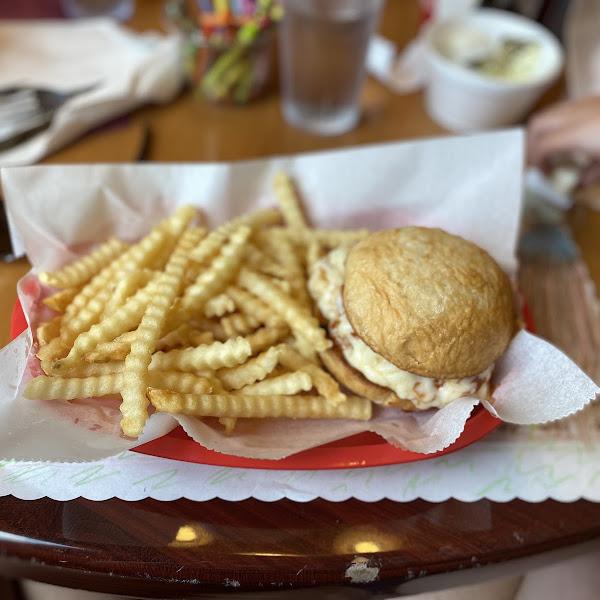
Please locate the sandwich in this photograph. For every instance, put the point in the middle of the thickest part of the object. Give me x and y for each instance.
(417, 316)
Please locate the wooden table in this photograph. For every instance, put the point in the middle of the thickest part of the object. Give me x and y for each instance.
(128, 548)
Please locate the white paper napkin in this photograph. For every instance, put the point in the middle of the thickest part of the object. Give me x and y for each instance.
(405, 72)
(126, 70)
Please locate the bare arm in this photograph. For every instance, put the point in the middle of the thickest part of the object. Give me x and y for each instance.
(570, 128)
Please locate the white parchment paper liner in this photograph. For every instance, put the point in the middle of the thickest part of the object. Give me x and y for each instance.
(470, 186)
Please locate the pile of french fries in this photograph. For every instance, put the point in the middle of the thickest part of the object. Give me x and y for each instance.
(204, 323)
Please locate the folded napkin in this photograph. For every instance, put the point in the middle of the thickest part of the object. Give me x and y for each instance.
(403, 72)
(123, 70)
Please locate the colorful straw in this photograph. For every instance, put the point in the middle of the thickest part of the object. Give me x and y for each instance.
(237, 38)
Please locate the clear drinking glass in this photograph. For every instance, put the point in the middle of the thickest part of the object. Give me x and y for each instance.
(322, 49)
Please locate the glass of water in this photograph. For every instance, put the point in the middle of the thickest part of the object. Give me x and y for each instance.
(322, 50)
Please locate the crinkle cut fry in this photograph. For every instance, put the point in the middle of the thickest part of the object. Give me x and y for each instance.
(50, 352)
(287, 384)
(126, 287)
(48, 330)
(324, 383)
(269, 281)
(61, 388)
(216, 238)
(84, 268)
(59, 301)
(265, 337)
(211, 281)
(87, 307)
(109, 384)
(272, 406)
(135, 380)
(288, 201)
(326, 237)
(127, 336)
(137, 256)
(258, 260)
(118, 350)
(253, 370)
(314, 252)
(239, 324)
(281, 246)
(184, 335)
(123, 319)
(219, 305)
(300, 321)
(228, 423)
(108, 351)
(253, 306)
(207, 325)
(185, 383)
(215, 356)
(93, 369)
(303, 347)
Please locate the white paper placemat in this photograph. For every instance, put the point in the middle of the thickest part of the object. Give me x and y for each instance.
(492, 468)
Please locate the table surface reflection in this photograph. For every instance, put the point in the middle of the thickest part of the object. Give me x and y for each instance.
(181, 548)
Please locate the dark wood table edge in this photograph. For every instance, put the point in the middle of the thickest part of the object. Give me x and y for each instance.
(18, 559)
(498, 570)
(417, 583)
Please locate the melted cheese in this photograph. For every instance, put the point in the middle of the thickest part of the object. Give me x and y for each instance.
(325, 286)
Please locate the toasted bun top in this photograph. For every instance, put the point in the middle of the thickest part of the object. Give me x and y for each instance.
(430, 302)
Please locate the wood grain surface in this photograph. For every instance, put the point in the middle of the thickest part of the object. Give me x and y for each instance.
(132, 547)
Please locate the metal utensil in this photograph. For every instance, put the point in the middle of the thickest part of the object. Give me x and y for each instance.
(25, 112)
(6, 250)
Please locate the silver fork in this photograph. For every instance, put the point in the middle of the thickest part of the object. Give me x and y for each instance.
(24, 112)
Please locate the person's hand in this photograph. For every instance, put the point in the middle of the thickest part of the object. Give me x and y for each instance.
(568, 130)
